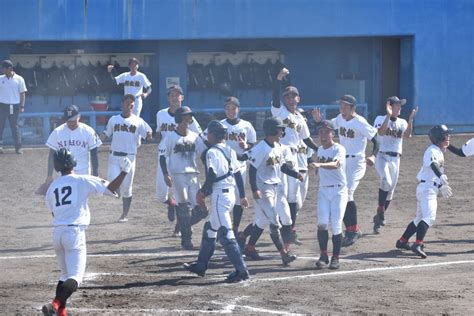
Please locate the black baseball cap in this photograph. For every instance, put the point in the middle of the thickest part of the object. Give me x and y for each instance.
(71, 113)
(233, 100)
(290, 90)
(7, 63)
(348, 99)
(327, 124)
(177, 88)
(395, 100)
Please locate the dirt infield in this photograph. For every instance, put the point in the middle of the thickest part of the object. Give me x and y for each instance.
(136, 267)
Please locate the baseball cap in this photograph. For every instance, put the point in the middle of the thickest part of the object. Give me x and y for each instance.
(395, 100)
(290, 90)
(326, 124)
(133, 60)
(348, 99)
(71, 113)
(233, 100)
(7, 63)
(177, 88)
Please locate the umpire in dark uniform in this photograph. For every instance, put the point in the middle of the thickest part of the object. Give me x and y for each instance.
(12, 102)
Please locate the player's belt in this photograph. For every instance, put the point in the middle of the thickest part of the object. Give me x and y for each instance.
(225, 190)
(119, 153)
(332, 186)
(72, 225)
(434, 183)
(350, 156)
(390, 153)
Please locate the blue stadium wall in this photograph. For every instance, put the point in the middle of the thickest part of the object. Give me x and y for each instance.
(435, 42)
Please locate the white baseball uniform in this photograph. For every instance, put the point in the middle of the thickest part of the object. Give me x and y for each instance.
(166, 124)
(353, 135)
(67, 198)
(243, 129)
(427, 189)
(468, 148)
(281, 206)
(296, 130)
(126, 134)
(182, 152)
(80, 141)
(332, 195)
(387, 162)
(267, 160)
(223, 191)
(134, 85)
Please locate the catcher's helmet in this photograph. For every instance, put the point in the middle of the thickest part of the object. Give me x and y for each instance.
(181, 112)
(438, 132)
(64, 160)
(271, 126)
(217, 129)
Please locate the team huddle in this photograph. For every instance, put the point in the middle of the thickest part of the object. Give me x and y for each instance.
(277, 168)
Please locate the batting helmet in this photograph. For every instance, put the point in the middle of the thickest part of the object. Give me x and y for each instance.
(217, 129)
(181, 112)
(271, 126)
(64, 160)
(438, 132)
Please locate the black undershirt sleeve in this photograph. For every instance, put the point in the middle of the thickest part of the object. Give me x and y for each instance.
(276, 93)
(240, 184)
(436, 170)
(163, 166)
(375, 149)
(310, 143)
(286, 169)
(456, 151)
(95, 162)
(210, 179)
(253, 178)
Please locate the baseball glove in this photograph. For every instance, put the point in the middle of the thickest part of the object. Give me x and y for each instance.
(201, 200)
(43, 188)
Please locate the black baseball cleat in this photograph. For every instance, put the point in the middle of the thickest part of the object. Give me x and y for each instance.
(287, 258)
(48, 310)
(237, 276)
(194, 268)
(252, 254)
(378, 223)
(418, 249)
(350, 238)
(322, 262)
(404, 245)
(334, 265)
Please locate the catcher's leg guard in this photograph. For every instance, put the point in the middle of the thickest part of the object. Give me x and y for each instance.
(232, 250)
(184, 219)
(208, 244)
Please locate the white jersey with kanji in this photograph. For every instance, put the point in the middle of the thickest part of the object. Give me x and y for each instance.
(134, 85)
(302, 156)
(67, 198)
(182, 152)
(332, 177)
(165, 123)
(79, 141)
(296, 129)
(392, 141)
(127, 133)
(432, 154)
(468, 147)
(353, 134)
(267, 160)
(222, 159)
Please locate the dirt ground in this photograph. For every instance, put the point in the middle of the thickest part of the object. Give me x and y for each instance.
(136, 267)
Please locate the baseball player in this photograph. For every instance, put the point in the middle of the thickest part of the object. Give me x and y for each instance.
(222, 177)
(466, 150)
(67, 200)
(135, 83)
(80, 139)
(296, 135)
(166, 124)
(241, 136)
(432, 180)
(266, 161)
(178, 152)
(332, 196)
(126, 131)
(391, 131)
(354, 131)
